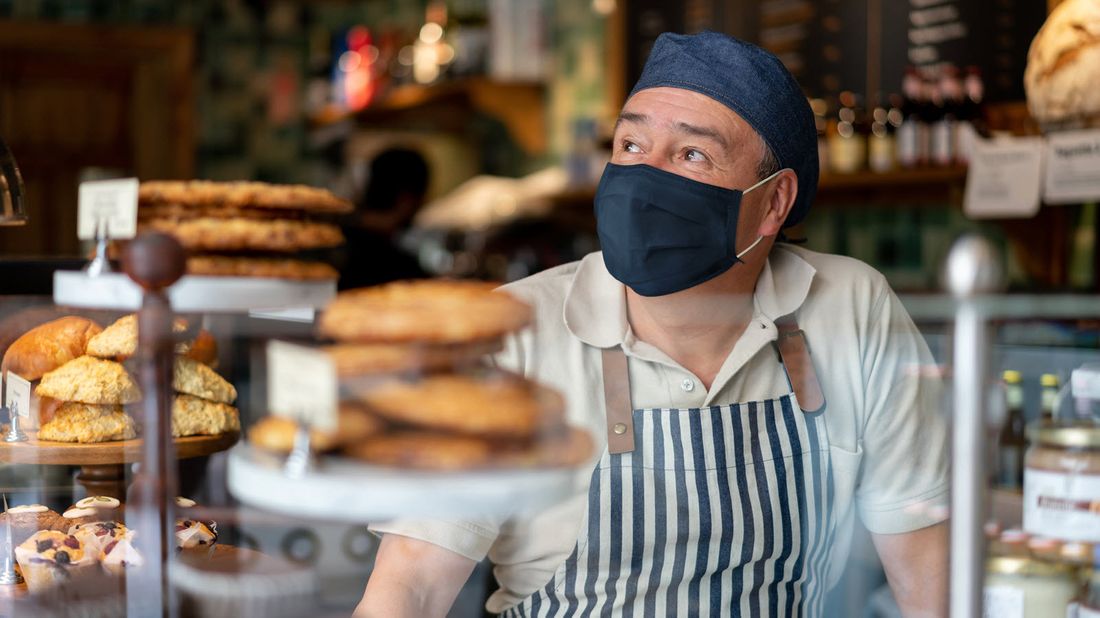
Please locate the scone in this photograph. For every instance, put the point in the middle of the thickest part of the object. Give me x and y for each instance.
(369, 359)
(49, 558)
(119, 340)
(191, 377)
(192, 416)
(88, 423)
(48, 346)
(90, 510)
(354, 423)
(502, 405)
(90, 380)
(1063, 64)
(434, 311)
(27, 519)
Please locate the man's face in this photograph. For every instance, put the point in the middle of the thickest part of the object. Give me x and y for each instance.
(688, 134)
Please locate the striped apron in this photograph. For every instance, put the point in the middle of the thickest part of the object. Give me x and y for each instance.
(719, 511)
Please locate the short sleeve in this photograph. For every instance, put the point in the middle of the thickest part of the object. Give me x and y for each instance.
(903, 484)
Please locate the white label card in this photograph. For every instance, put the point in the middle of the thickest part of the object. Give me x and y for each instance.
(301, 385)
(1004, 178)
(1003, 602)
(18, 391)
(1073, 167)
(113, 201)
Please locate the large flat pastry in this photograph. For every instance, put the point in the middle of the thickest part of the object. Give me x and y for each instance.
(88, 423)
(431, 311)
(241, 193)
(212, 234)
(355, 359)
(90, 380)
(446, 452)
(237, 266)
(501, 405)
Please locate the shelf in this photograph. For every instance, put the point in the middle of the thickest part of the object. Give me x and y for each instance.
(894, 180)
(346, 490)
(520, 106)
(192, 293)
(36, 451)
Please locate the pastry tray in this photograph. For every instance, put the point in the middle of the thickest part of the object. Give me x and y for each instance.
(198, 294)
(340, 489)
(35, 451)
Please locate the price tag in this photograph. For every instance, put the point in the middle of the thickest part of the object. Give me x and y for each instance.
(1073, 167)
(1004, 178)
(113, 201)
(301, 385)
(18, 391)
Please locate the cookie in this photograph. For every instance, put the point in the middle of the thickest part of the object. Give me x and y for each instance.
(119, 340)
(90, 380)
(241, 193)
(355, 359)
(85, 423)
(206, 234)
(192, 416)
(232, 266)
(275, 433)
(191, 377)
(501, 405)
(89, 510)
(433, 311)
(448, 452)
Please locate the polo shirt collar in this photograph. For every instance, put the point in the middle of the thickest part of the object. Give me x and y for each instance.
(595, 305)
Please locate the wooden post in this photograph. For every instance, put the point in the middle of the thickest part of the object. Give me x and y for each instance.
(155, 261)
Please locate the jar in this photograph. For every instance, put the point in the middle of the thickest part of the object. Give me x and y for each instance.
(1062, 482)
(1027, 588)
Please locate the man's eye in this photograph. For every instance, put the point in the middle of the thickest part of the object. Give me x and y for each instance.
(630, 147)
(694, 155)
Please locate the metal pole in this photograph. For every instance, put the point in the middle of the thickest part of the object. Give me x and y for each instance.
(973, 269)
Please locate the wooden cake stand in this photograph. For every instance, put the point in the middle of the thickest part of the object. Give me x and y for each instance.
(102, 465)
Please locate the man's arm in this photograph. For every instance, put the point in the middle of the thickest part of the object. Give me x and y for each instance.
(413, 578)
(916, 567)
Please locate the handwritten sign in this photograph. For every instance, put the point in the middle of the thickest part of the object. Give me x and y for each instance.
(17, 392)
(107, 202)
(1004, 178)
(1073, 167)
(301, 385)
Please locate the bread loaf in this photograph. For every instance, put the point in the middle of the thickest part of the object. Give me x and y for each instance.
(1063, 64)
(49, 346)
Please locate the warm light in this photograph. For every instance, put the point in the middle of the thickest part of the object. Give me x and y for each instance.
(350, 61)
(603, 7)
(431, 33)
(446, 54)
(370, 54)
(358, 37)
(406, 55)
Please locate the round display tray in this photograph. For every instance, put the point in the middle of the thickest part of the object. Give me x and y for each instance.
(35, 451)
(340, 489)
(74, 288)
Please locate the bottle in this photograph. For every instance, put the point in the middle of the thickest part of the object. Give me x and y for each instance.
(881, 144)
(820, 108)
(971, 115)
(912, 121)
(1012, 442)
(1050, 387)
(944, 131)
(931, 113)
(847, 145)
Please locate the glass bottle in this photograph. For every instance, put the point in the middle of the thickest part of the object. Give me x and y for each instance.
(1012, 442)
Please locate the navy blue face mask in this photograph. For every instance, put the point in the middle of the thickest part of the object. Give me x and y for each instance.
(662, 233)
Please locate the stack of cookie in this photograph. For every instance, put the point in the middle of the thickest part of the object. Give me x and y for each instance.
(410, 354)
(94, 388)
(247, 229)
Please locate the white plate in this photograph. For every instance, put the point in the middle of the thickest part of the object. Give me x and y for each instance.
(345, 490)
(74, 288)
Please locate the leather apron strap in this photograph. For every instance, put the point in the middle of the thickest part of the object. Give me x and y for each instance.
(616, 392)
(794, 353)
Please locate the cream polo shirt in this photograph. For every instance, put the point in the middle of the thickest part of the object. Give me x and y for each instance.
(886, 428)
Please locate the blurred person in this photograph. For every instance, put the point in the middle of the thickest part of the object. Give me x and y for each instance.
(396, 187)
(729, 482)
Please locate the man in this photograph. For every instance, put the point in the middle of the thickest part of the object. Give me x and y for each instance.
(732, 470)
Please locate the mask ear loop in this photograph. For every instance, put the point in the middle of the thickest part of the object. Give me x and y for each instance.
(761, 237)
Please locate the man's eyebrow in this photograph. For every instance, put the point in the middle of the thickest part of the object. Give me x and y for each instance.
(707, 132)
(631, 117)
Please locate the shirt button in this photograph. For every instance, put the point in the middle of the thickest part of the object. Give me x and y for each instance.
(619, 428)
(688, 385)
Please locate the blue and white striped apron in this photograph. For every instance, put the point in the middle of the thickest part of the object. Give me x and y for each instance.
(719, 511)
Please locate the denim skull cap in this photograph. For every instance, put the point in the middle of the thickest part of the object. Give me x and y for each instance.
(755, 85)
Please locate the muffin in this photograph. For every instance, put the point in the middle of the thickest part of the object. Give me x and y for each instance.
(49, 558)
(120, 554)
(90, 510)
(97, 535)
(193, 535)
(27, 519)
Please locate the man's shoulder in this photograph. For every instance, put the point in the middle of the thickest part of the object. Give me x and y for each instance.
(835, 273)
(545, 286)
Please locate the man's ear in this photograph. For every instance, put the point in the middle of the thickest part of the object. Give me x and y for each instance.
(780, 200)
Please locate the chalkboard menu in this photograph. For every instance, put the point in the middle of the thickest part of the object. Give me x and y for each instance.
(863, 46)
